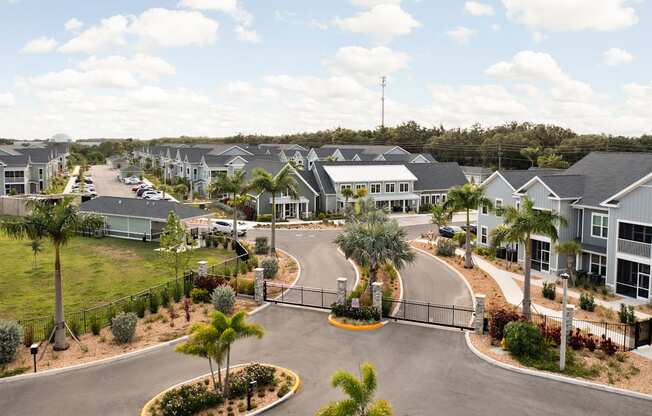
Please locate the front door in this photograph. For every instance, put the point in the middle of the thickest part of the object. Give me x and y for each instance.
(540, 255)
(290, 211)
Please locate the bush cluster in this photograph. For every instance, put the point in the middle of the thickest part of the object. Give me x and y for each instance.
(626, 314)
(154, 302)
(96, 325)
(270, 267)
(208, 283)
(264, 218)
(223, 299)
(261, 245)
(523, 339)
(489, 252)
(239, 383)
(123, 327)
(10, 335)
(198, 295)
(188, 400)
(499, 319)
(363, 313)
(587, 302)
(549, 290)
(445, 247)
(242, 286)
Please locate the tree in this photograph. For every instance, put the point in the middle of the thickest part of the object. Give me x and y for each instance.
(237, 187)
(361, 395)
(204, 341)
(284, 180)
(439, 217)
(524, 222)
(552, 161)
(174, 251)
(531, 153)
(37, 246)
(499, 237)
(58, 223)
(347, 193)
(373, 241)
(570, 249)
(181, 189)
(465, 198)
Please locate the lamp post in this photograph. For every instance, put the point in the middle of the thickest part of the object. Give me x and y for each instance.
(250, 393)
(564, 333)
(34, 350)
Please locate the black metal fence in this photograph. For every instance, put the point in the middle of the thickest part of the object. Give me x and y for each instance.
(299, 295)
(643, 333)
(428, 313)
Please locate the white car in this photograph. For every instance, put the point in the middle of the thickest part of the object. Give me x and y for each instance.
(152, 192)
(226, 227)
(132, 180)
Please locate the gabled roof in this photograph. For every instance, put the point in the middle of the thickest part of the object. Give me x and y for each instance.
(341, 173)
(132, 207)
(15, 161)
(435, 176)
(517, 178)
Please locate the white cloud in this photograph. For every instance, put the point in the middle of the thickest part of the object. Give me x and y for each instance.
(383, 22)
(151, 28)
(71, 78)
(478, 9)
(231, 7)
(7, 100)
(617, 56)
(372, 3)
(144, 66)
(461, 35)
(537, 67)
(368, 64)
(73, 24)
(572, 15)
(39, 45)
(247, 35)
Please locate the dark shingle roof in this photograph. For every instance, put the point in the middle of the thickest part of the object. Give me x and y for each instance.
(132, 207)
(518, 178)
(565, 186)
(433, 176)
(18, 161)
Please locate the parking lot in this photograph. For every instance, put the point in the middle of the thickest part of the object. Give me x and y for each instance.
(107, 183)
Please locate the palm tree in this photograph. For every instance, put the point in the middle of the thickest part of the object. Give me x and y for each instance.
(531, 153)
(347, 193)
(284, 180)
(231, 330)
(58, 223)
(237, 187)
(361, 395)
(500, 236)
(440, 217)
(373, 241)
(36, 246)
(570, 249)
(204, 341)
(522, 224)
(465, 198)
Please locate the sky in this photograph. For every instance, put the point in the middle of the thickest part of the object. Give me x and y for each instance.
(146, 69)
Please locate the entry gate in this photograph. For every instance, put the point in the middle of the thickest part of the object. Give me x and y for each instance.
(299, 295)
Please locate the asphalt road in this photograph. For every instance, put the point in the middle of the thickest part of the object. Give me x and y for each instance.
(422, 371)
(107, 183)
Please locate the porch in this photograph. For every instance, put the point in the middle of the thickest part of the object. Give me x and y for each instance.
(287, 208)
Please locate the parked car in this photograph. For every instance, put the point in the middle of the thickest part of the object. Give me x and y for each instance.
(153, 196)
(144, 189)
(226, 227)
(131, 180)
(474, 228)
(450, 230)
(150, 192)
(140, 185)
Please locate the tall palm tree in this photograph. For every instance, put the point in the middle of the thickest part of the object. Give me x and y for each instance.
(231, 330)
(465, 198)
(57, 223)
(284, 180)
(361, 395)
(570, 249)
(204, 341)
(237, 187)
(439, 217)
(522, 224)
(373, 241)
(347, 193)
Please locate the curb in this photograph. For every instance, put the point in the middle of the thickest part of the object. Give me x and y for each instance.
(355, 268)
(293, 390)
(349, 327)
(554, 377)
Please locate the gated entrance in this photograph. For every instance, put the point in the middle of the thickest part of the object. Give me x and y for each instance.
(398, 310)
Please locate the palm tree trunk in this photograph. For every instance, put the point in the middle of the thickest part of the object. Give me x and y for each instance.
(210, 365)
(219, 373)
(273, 242)
(60, 343)
(468, 260)
(526, 284)
(226, 376)
(570, 264)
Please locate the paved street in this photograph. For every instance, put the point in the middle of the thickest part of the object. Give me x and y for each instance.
(107, 183)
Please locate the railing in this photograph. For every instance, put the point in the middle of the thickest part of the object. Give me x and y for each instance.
(635, 248)
(299, 295)
(428, 313)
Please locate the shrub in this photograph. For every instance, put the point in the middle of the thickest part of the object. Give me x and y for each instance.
(264, 218)
(626, 314)
(165, 298)
(177, 292)
(186, 308)
(590, 343)
(284, 389)
(199, 295)
(28, 336)
(576, 339)
(154, 302)
(445, 247)
(252, 263)
(96, 325)
(523, 339)
(261, 245)
(552, 334)
(243, 286)
(363, 313)
(139, 307)
(208, 283)
(587, 302)
(607, 346)
(10, 336)
(123, 327)
(460, 238)
(270, 268)
(239, 383)
(549, 290)
(188, 400)
(223, 299)
(75, 327)
(498, 320)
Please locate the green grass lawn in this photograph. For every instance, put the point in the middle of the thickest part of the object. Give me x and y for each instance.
(94, 271)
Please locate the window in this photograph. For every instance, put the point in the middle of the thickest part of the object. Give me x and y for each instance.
(484, 209)
(443, 198)
(599, 225)
(346, 186)
(484, 233)
(436, 198)
(390, 188)
(635, 232)
(359, 186)
(40, 173)
(499, 207)
(375, 188)
(404, 187)
(598, 264)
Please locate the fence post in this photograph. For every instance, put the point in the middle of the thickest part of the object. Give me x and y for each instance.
(202, 268)
(341, 290)
(478, 323)
(377, 296)
(258, 285)
(84, 315)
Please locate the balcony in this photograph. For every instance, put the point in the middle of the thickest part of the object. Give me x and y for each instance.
(634, 248)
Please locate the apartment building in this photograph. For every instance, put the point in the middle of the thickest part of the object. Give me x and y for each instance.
(605, 199)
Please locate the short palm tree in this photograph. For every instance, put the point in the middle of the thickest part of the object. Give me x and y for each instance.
(347, 193)
(571, 249)
(499, 237)
(439, 217)
(361, 395)
(465, 198)
(237, 187)
(204, 341)
(37, 246)
(284, 181)
(524, 222)
(58, 223)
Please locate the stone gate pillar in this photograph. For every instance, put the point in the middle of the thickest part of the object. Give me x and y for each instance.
(341, 290)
